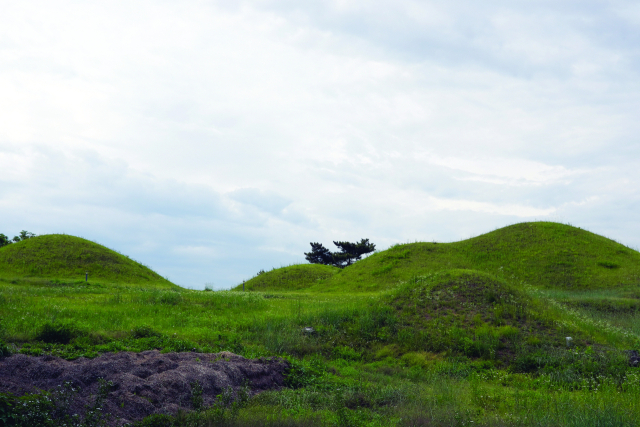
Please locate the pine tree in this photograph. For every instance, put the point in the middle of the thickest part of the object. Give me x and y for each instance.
(348, 254)
(319, 254)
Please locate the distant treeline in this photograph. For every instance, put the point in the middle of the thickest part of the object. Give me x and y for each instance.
(24, 235)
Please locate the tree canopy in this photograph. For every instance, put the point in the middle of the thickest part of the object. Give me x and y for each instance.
(24, 235)
(347, 255)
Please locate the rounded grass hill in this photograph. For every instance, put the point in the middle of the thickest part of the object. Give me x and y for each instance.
(473, 313)
(545, 254)
(291, 278)
(63, 257)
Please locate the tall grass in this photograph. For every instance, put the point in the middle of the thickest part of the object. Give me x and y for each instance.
(398, 339)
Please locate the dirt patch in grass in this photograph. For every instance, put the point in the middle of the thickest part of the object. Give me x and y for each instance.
(143, 383)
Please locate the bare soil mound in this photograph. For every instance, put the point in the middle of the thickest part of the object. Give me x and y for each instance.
(143, 383)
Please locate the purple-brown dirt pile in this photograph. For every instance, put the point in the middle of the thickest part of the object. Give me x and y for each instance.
(143, 383)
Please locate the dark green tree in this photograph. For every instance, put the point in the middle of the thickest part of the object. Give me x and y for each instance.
(352, 252)
(319, 254)
(24, 235)
(348, 254)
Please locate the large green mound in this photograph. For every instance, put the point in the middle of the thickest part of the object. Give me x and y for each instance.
(470, 311)
(475, 314)
(545, 254)
(58, 256)
(291, 278)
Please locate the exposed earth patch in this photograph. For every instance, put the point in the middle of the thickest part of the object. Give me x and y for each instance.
(142, 383)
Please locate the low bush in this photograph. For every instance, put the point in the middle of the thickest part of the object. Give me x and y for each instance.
(568, 367)
(170, 298)
(144, 331)
(304, 373)
(4, 349)
(58, 332)
(52, 409)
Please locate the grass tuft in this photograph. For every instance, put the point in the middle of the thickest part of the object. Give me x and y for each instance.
(58, 332)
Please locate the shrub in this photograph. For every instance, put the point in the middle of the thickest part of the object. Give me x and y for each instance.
(53, 409)
(144, 331)
(302, 373)
(171, 298)
(569, 366)
(58, 333)
(347, 353)
(4, 349)
(8, 416)
(156, 420)
(196, 396)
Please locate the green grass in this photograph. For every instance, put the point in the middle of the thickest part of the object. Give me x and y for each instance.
(542, 254)
(291, 278)
(457, 334)
(61, 257)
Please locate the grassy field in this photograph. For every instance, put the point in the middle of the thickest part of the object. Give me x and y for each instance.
(423, 334)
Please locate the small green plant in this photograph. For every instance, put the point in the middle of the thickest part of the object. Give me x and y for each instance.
(144, 331)
(197, 402)
(303, 373)
(4, 349)
(53, 409)
(95, 417)
(157, 420)
(347, 353)
(170, 298)
(8, 416)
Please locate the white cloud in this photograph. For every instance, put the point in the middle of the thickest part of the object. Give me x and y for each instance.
(216, 139)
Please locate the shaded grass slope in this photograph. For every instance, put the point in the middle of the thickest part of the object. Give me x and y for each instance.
(472, 313)
(544, 254)
(63, 257)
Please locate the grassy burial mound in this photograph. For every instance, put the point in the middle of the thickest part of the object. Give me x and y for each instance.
(474, 314)
(545, 254)
(292, 278)
(471, 313)
(63, 257)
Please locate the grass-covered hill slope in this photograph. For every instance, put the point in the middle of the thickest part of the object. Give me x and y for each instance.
(472, 313)
(291, 278)
(545, 254)
(58, 256)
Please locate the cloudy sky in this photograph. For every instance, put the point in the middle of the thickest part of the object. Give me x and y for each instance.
(211, 139)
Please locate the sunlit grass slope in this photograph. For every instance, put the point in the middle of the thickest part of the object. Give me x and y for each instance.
(63, 257)
(291, 278)
(544, 254)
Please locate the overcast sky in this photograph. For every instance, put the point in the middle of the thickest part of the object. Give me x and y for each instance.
(210, 141)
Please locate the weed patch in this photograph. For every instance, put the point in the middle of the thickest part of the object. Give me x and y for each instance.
(58, 332)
